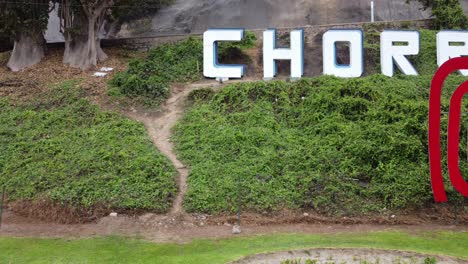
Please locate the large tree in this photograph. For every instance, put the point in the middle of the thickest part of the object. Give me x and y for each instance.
(82, 20)
(25, 21)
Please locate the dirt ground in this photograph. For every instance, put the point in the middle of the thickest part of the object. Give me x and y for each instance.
(51, 71)
(349, 256)
(182, 229)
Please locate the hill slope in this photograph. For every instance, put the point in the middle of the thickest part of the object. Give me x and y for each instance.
(62, 156)
(333, 145)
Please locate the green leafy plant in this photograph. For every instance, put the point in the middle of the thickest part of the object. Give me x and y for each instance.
(430, 260)
(23, 16)
(448, 14)
(169, 63)
(204, 94)
(332, 145)
(63, 149)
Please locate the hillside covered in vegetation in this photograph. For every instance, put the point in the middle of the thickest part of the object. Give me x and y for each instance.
(333, 145)
(61, 149)
(323, 144)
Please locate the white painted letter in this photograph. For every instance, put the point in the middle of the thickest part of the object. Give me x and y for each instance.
(389, 53)
(447, 50)
(211, 69)
(356, 65)
(295, 54)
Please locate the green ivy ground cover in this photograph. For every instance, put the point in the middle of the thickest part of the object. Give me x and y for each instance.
(62, 148)
(150, 78)
(337, 146)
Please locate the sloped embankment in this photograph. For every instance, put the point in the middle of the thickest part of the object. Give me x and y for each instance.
(61, 158)
(334, 146)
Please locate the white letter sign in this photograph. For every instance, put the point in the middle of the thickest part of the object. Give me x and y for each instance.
(452, 44)
(356, 65)
(211, 68)
(390, 54)
(295, 54)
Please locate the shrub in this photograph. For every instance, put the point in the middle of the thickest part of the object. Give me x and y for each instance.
(176, 62)
(448, 14)
(204, 94)
(430, 260)
(337, 146)
(62, 148)
(151, 77)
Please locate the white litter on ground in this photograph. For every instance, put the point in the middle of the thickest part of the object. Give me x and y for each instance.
(99, 74)
(106, 69)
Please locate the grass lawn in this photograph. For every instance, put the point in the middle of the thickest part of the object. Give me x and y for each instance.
(122, 250)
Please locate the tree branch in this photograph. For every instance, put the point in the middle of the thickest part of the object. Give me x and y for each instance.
(104, 4)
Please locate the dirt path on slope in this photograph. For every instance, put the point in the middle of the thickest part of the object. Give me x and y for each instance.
(159, 126)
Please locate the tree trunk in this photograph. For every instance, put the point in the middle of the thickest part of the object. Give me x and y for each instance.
(28, 50)
(84, 50)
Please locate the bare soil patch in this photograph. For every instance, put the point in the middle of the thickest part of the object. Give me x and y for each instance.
(37, 79)
(185, 228)
(349, 256)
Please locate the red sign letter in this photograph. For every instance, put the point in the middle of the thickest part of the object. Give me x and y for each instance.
(453, 130)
